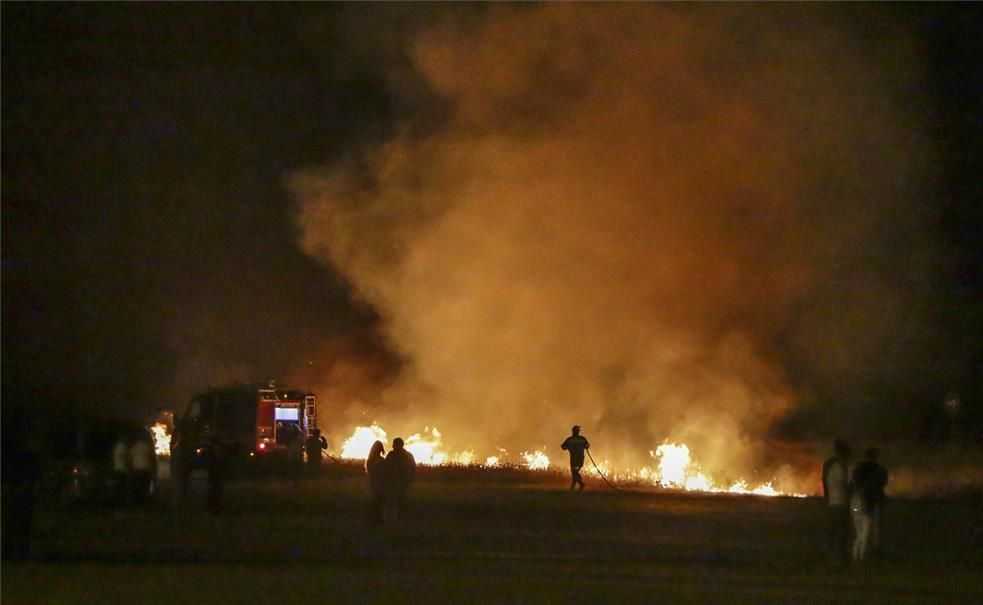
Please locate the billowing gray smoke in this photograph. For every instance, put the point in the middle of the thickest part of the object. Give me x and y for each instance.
(642, 219)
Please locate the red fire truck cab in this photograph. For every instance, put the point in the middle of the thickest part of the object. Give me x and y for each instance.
(251, 422)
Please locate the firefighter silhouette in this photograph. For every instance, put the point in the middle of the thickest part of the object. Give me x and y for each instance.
(576, 444)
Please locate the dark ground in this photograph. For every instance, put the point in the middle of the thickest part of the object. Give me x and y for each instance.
(489, 536)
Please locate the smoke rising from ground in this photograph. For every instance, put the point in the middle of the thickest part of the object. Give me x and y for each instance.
(655, 221)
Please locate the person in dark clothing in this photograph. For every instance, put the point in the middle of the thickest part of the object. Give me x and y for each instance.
(576, 444)
(869, 481)
(376, 481)
(836, 492)
(217, 464)
(399, 469)
(295, 455)
(312, 447)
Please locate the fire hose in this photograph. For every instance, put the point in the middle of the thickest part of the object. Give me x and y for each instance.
(611, 485)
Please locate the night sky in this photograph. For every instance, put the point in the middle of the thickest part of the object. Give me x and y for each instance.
(143, 210)
(153, 231)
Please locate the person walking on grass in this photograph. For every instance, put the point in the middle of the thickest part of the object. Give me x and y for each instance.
(576, 444)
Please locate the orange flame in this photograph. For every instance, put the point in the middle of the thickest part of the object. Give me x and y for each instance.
(162, 439)
(426, 447)
(675, 466)
(536, 461)
(359, 444)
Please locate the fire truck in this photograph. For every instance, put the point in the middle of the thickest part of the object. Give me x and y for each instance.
(253, 423)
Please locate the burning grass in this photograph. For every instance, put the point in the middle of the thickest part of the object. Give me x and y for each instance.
(674, 467)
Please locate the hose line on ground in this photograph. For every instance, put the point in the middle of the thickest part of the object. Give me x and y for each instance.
(611, 485)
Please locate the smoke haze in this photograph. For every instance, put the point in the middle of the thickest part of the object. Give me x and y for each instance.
(656, 221)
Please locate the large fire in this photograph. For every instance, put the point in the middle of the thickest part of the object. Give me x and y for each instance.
(426, 447)
(677, 470)
(674, 466)
(359, 444)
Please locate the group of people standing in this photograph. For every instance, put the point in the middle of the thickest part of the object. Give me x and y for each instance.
(856, 496)
(389, 477)
(134, 468)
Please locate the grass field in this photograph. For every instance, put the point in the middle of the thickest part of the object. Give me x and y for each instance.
(487, 536)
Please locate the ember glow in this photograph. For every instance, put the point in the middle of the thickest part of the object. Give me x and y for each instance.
(674, 468)
(162, 439)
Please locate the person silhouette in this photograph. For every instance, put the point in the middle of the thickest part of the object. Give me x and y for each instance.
(399, 470)
(313, 446)
(869, 480)
(375, 474)
(576, 444)
(837, 491)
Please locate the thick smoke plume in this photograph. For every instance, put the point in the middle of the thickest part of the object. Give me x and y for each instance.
(655, 221)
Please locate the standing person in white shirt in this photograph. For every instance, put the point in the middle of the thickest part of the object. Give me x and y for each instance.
(836, 491)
